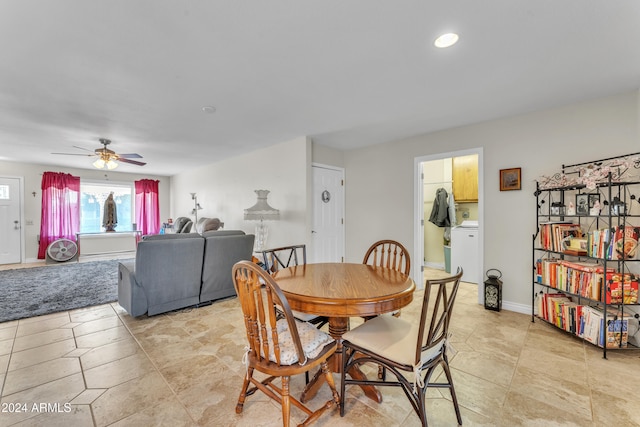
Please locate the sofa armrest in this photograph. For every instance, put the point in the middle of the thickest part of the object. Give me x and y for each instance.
(131, 296)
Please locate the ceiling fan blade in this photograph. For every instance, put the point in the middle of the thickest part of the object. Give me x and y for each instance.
(130, 156)
(133, 162)
(82, 148)
(76, 154)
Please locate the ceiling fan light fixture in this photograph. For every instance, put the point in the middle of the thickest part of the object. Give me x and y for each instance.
(446, 40)
(111, 165)
(99, 163)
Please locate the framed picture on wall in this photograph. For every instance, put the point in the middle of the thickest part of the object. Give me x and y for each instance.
(509, 179)
(582, 204)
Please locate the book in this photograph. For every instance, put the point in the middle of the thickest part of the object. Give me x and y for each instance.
(593, 322)
(617, 333)
(626, 242)
(622, 288)
(578, 243)
(581, 278)
(552, 233)
(575, 252)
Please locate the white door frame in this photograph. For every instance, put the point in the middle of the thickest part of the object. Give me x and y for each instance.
(418, 243)
(21, 193)
(344, 214)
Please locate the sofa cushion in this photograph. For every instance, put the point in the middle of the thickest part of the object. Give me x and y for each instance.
(208, 224)
(222, 250)
(169, 269)
(179, 225)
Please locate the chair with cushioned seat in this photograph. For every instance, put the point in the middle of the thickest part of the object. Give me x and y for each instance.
(407, 347)
(278, 347)
(389, 254)
(283, 257)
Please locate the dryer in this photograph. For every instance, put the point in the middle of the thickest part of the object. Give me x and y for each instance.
(465, 249)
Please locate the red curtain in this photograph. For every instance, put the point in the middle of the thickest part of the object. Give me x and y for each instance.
(60, 209)
(147, 206)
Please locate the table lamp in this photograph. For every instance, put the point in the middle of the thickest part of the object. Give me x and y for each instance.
(259, 212)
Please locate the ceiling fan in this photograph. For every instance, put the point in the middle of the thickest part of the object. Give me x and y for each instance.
(107, 158)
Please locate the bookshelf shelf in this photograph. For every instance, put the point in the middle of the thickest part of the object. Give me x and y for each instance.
(629, 346)
(586, 266)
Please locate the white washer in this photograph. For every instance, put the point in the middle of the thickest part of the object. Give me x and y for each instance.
(465, 250)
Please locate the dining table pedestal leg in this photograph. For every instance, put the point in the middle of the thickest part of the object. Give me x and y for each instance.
(337, 327)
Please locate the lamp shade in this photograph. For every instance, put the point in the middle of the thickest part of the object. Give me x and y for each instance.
(261, 210)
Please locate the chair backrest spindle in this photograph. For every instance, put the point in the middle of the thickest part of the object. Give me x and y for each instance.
(259, 294)
(389, 254)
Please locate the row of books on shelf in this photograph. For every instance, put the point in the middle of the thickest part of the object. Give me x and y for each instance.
(588, 280)
(569, 238)
(589, 322)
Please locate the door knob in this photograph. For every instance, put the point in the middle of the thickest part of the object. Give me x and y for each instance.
(16, 227)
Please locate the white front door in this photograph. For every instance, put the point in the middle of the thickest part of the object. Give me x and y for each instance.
(327, 235)
(10, 232)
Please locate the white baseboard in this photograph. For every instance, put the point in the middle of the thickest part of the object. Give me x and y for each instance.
(434, 265)
(516, 307)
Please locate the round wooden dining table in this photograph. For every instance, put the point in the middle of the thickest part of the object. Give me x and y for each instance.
(340, 291)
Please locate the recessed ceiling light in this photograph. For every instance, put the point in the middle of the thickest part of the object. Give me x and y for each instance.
(209, 109)
(446, 40)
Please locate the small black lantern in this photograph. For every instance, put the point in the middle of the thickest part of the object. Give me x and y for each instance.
(557, 208)
(618, 207)
(493, 290)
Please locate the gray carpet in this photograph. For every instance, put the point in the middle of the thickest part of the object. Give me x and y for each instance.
(29, 292)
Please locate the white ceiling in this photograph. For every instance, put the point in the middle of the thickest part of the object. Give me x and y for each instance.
(346, 73)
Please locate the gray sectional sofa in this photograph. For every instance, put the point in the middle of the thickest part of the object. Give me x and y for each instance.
(173, 271)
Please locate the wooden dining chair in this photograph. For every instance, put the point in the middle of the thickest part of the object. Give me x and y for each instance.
(389, 254)
(278, 348)
(283, 257)
(406, 347)
(286, 256)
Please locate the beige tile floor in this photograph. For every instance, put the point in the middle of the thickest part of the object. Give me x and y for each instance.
(100, 367)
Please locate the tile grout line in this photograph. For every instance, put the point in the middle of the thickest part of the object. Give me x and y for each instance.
(155, 367)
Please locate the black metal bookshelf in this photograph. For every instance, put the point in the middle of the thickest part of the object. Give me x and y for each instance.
(613, 183)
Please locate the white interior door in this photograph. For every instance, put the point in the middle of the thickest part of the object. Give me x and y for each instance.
(327, 235)
(10, 227)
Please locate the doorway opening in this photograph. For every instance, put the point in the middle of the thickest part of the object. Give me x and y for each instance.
(434, 244)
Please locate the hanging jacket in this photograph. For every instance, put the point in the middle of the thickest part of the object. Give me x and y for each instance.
(440, 212)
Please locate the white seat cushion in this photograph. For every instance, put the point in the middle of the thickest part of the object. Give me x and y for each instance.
(313, 342)
(305, 317)
(392, 338)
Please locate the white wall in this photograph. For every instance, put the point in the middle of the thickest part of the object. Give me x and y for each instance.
(327, 156)
(226, 188)
(380, 185)
(32, 177)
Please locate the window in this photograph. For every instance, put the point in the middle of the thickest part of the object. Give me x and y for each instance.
(92, 197)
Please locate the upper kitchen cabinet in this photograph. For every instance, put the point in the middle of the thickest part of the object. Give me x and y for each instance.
(465, 178)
